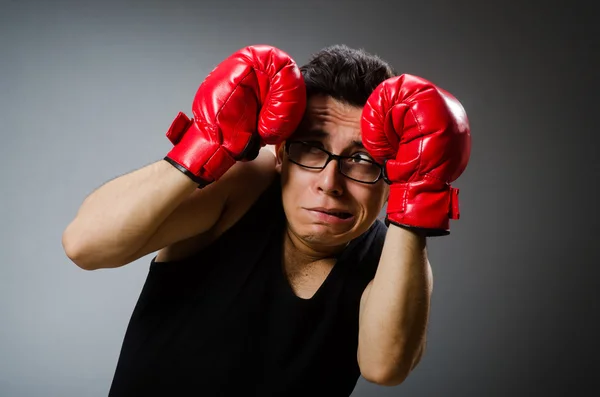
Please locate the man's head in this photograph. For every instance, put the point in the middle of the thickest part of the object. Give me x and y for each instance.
(339, 81)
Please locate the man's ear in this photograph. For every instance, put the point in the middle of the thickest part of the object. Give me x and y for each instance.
(279, 149)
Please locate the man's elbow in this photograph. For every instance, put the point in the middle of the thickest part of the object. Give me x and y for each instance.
(386, 376)
(78, 258)
(390, 374)
(73, 251)
(83, 258)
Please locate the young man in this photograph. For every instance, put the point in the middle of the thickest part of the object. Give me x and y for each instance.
(273, 275)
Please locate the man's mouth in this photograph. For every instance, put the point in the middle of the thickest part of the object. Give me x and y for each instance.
(334, 212)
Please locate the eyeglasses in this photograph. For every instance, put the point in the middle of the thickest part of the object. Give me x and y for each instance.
(357, 167)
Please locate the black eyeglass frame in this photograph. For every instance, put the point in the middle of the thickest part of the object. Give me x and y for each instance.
(331, 156)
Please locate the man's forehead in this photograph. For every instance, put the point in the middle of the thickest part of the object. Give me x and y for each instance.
(320, 106)
(328, 118)
(354, 139)
(323, 117)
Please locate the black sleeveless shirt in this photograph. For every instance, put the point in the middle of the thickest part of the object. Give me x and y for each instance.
(225, 321)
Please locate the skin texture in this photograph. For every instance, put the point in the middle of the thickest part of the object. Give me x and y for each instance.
(309, 238)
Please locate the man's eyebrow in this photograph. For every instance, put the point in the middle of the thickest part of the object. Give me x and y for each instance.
(358, 144)
(324, 134)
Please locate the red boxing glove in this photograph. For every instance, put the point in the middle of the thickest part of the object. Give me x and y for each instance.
(421, 134)
(255, 97)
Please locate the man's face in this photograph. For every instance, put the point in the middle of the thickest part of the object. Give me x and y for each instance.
(335, 127)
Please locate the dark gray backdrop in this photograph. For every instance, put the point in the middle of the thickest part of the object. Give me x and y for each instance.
(88, 90)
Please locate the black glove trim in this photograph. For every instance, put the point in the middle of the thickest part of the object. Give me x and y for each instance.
(201, 182)
(419, 230)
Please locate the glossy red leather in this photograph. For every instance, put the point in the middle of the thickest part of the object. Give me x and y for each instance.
(422, 134)
(256, 93)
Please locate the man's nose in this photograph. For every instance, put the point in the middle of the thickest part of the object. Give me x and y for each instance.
(330, 179)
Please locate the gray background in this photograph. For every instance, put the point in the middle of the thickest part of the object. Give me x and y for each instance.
(88, 90)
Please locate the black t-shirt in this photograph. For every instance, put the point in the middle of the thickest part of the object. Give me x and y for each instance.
(225, 321)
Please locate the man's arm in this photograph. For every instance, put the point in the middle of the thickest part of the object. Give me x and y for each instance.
(394, 309)
(432, 146)
(154, 207)
(233, 117)
(243, 184)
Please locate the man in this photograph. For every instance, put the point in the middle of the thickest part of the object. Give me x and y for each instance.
(273, 275)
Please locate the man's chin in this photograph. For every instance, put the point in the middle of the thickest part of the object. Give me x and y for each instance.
(327, 236)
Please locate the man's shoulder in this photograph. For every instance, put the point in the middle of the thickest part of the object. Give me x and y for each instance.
(251, 200)
(366, 249)
(376, 233)
(255, 213)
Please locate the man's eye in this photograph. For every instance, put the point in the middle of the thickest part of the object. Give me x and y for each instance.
(360, 158)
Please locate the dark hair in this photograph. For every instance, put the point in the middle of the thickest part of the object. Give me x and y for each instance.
(346, 74)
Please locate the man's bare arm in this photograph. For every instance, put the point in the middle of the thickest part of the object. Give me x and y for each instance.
(148, 209)
(394, 309)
